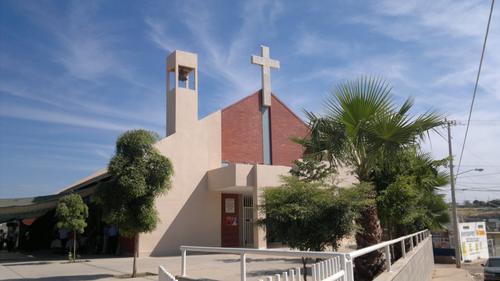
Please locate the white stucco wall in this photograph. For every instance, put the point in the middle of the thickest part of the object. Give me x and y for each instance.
(417, 266)
(189, 212)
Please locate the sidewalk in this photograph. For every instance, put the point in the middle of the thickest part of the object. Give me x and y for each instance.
(213, 267)
(449, 272)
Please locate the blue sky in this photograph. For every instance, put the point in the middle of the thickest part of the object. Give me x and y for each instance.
(76, 74)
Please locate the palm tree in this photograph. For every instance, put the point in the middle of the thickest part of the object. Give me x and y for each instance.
(363, 129)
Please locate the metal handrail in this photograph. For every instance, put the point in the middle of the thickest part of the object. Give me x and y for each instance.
(267, 252)
(384, 244)
(346, 258)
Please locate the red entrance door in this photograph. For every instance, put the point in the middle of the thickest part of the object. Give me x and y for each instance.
(230, 209)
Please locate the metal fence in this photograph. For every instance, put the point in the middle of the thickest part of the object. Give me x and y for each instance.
(327, 270)
(337, 266)
(291, 275)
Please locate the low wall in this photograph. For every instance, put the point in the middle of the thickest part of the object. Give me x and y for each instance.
(417, 266)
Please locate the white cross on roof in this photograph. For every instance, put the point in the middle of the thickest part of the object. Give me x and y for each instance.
(266, 64)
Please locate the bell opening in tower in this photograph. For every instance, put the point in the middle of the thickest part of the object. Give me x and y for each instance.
(186, 77)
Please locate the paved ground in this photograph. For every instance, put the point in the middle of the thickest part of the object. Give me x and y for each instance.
(213, 267)
(449, 272)
(216, 267)
(476, 270)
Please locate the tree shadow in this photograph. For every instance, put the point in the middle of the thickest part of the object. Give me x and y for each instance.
(272, 272)
(250, 260)
(65, 278)
(28, 263)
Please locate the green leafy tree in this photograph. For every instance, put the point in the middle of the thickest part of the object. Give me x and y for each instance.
(495, 203)
(311, 169)
(71, 214)
(399, 204)
(364, 129)
(305, 215)
(139, 175)
(408, 196)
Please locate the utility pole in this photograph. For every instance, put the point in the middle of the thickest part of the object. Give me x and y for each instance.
(456, 233)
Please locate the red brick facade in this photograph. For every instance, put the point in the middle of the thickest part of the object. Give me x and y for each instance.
(284, 125)
(242, 132)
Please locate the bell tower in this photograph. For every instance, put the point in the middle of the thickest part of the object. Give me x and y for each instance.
(182, 91)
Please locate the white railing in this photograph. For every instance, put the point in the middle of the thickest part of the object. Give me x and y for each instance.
(343, 265)
(291, 275)
(327, 270)
(414, 238)
(243, 252)
(164, 275)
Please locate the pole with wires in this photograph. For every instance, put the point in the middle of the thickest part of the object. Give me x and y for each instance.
(476, 85)
(456, 238)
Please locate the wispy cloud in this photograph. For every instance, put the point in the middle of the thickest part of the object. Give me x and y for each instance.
(314, 44)
(449, 32)
(428, 49)
(414, 19)
(54, 147)
(87, 51)
(91, 67)
(41, 115)
(392, 67)
(62, 96)
(158, 34)
(228, 65)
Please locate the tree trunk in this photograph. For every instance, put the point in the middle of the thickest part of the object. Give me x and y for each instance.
(74, 246)
(304, 268)
(136, 250)
(370, 233)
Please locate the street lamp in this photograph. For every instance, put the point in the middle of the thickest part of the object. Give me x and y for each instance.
(471, 170)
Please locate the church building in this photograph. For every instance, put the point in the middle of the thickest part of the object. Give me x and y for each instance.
(222, 163)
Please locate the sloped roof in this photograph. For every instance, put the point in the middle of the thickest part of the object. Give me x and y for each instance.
(33, 207)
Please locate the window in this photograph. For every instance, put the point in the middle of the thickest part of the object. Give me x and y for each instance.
(266, 135)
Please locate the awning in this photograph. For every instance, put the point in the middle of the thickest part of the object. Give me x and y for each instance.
(33, 207)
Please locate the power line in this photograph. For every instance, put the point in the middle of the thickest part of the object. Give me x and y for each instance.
(472, 190)
(479, 183)
(468, 184)
(478, 190)
(476, 120)
(479, 165)
(480, 175)
(474, 186)
(475, 86)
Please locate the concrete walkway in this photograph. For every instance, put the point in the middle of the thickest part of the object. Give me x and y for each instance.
(449, 272)
(213, 267)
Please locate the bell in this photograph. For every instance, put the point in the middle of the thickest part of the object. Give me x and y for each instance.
(184, 73)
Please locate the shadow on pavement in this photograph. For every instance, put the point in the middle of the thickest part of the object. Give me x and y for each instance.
(65, 278)
(249, 260)
(27, 263)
